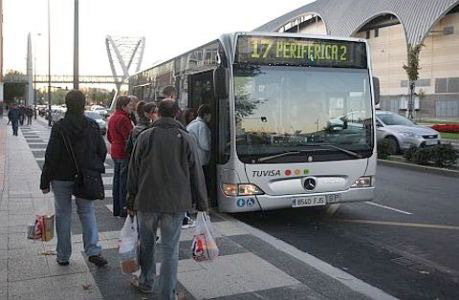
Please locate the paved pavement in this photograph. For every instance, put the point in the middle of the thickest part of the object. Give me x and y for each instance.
(252, 265)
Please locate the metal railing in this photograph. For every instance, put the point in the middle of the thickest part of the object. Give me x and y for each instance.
(88, 79)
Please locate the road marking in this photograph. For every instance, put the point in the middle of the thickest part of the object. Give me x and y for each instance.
(109, 207)
(343, 277)
(388, 207)
(416, 225)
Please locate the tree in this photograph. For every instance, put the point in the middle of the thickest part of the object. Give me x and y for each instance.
(14, 90)
(412, 70)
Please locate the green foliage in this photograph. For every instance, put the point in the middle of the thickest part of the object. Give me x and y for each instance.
(14, 91)
(443, 155)
(412, 68)
(383, 149)
(422, 156)
(408, 155)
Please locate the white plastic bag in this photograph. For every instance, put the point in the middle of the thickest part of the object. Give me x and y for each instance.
(204, 246)
(128, 246)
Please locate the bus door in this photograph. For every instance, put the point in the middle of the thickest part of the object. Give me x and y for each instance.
(199, 93)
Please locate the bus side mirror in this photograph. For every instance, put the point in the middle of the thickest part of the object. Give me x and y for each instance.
(220, 83)
(376, 90)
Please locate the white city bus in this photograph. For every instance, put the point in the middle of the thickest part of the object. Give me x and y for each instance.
(293, 117)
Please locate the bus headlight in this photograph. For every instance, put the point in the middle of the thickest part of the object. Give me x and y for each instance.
(362, 182)
(245, 189)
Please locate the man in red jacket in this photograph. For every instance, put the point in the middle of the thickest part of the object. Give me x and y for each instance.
(119, 128)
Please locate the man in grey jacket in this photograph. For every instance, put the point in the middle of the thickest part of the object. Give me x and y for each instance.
(165, 178)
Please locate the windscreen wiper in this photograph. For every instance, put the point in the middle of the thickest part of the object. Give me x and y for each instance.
(349, 152)
(288, 153)
(298, 152)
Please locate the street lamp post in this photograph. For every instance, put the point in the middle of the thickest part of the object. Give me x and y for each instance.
(76, 79)
(49, 65)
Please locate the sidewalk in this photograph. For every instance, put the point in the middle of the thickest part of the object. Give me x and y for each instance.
(252, 264)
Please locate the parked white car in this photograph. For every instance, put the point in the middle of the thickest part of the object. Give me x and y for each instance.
(98, 118)
(57, 113)
(402, 133)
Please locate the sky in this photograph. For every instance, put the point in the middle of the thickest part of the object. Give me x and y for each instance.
(170, 27)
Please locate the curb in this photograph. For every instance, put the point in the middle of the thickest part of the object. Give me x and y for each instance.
(426, 169)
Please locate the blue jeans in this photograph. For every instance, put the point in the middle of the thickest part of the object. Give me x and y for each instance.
(119, 186)
(85, 209)
(170, 224)
(15, 125)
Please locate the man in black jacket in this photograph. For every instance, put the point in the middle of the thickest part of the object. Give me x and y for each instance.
(59, 171)
(164, 176)
(14, 115)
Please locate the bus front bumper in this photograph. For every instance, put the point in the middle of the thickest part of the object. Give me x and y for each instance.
(268, 202)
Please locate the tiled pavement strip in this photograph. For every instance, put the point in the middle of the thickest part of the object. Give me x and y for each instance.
(252, 265)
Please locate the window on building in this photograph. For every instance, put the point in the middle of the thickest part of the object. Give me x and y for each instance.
(453, 85)
(441, 85)
(376, 32)
(446, 108)
(367, 35)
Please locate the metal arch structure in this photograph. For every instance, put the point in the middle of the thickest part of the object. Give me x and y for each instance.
(345, 18)
(125, 53)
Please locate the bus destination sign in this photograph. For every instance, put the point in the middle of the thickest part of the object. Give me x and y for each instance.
(266, 50)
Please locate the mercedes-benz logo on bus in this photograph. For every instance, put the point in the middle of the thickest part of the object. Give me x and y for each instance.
(310, 183)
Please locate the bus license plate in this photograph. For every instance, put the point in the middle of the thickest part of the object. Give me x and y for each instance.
(309, 201)
(333, 198)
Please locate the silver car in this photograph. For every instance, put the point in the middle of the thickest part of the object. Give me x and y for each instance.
(402, 133)
(98, 118)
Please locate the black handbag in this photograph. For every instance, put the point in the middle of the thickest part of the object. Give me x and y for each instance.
(88, 184)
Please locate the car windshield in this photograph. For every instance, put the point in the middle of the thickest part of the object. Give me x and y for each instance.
(93, 115)
(282, 108)
(394, 119)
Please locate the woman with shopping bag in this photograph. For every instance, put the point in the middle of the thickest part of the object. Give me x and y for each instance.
(74, 161)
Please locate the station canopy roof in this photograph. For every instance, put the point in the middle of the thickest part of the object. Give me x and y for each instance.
(346, 17)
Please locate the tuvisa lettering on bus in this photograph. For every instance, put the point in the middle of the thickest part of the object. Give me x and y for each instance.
(266, 173)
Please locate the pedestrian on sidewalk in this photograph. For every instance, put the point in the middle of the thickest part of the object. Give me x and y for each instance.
(163, 171)
(134, 116)
(119, 128)
(147, 115)
(59, 171)
(29, 114)
(13, 116)
(22, 115)
(170, 92)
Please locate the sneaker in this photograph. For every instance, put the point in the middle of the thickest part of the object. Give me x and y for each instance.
(187, 223)
(136, 284)
(62, 263)
(98, 260)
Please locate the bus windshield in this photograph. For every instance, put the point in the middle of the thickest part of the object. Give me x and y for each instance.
(291, 109)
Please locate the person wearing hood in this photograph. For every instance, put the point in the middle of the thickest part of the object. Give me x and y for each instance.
(59, 172)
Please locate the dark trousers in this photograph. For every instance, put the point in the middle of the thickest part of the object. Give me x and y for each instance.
(119, 186)
(15, 126)
(29, 120)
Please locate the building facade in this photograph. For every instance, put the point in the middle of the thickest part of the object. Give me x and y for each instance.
(390, 26)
